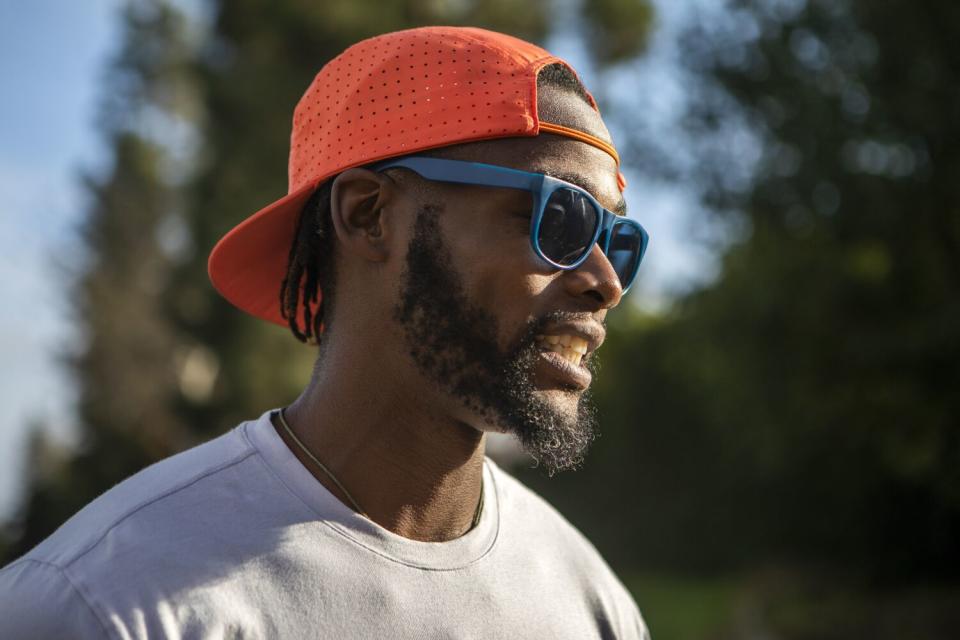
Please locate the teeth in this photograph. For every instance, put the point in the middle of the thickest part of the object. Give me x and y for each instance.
(572, 348)
(568, 354)
(571, 356)
(572, 342)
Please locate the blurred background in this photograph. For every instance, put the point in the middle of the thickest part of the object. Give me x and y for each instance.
(779, 396)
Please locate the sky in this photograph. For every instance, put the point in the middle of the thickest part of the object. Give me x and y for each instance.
(53, 58)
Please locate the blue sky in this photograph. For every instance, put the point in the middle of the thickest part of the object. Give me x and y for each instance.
(53, 56)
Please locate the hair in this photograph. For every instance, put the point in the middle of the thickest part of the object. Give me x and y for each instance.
(561, 76)
(310, 278)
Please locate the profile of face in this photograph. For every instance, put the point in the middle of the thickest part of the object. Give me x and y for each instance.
(478, 310)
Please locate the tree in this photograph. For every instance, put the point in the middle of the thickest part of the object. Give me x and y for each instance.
(126, 378)
(803, 408)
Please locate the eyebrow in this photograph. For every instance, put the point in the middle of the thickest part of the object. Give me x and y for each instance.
(575, 178)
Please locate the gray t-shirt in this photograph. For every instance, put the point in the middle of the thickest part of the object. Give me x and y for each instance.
(236, 539)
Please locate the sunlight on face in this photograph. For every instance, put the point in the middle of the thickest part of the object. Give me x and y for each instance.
(454, 343)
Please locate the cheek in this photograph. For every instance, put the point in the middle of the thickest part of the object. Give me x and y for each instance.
(506, 282)
(500, 272)
(502, 267)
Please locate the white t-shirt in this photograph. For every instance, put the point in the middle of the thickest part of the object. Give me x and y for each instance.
(236, 539)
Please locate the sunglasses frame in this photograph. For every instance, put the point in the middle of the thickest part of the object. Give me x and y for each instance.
(540, 185)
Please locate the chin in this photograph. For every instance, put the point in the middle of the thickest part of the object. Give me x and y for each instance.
(563, 400)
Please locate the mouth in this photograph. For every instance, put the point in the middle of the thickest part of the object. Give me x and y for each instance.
(563, 355)
(570, 348)
(571, 340)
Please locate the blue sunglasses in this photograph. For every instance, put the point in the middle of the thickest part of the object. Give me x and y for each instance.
(567, 221)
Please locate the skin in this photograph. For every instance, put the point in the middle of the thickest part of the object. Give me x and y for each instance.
(410, 450)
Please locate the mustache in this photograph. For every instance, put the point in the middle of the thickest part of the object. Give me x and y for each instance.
(567, 316)
(526, 345)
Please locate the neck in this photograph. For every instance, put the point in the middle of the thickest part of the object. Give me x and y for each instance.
(413, 471)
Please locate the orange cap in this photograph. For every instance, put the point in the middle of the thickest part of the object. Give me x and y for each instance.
(391, 95)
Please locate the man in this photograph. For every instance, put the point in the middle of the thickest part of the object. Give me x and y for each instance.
(454, 291)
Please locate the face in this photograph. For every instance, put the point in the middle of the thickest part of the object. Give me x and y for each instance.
(478, 310)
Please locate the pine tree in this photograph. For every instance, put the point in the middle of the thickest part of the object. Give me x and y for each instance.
(803, 408)
(126, 379)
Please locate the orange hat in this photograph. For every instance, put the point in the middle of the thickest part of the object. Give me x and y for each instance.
(387, 96)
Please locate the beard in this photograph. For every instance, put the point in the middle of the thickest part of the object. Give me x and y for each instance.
(453, 343)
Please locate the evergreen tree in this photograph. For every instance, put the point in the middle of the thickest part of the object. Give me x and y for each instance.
(839, 313)
(124, 368)
(804, 407)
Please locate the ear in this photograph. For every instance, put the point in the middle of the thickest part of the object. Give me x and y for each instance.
(357, 200)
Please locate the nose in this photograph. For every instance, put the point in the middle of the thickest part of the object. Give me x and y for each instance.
(595, 279)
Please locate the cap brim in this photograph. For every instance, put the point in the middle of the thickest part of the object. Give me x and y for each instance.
(247, 266)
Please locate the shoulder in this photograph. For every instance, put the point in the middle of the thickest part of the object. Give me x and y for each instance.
(30, 591)
(164, 486)
(115, 549)
(534, 523)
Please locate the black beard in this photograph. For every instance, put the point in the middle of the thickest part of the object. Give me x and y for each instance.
(454, 343)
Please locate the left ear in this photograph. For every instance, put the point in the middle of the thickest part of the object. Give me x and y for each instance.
(357, 200)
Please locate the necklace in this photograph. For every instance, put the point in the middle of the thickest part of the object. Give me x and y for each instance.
(356, 507)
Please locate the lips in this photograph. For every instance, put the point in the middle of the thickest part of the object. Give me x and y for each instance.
(574, 376)
(571, 348)
(563, 346)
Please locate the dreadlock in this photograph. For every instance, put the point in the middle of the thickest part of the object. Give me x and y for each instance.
(309, 280)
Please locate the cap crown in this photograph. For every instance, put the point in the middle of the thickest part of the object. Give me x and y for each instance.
(412, 90)
(391, 95)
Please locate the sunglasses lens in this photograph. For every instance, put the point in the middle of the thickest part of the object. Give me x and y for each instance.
(625, 252)
(568, 225)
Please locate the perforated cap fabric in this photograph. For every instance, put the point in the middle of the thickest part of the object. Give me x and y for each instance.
(387, 96)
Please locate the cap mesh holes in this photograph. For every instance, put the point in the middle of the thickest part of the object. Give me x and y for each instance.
(348, 81)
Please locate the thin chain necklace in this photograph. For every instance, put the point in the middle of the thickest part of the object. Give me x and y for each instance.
(356, 507)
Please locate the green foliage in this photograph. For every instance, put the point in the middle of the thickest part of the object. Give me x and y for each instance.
(791, 606)
(803, 409)
(838, 317)
(680, 608)
(617, 29)
(128, 382)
